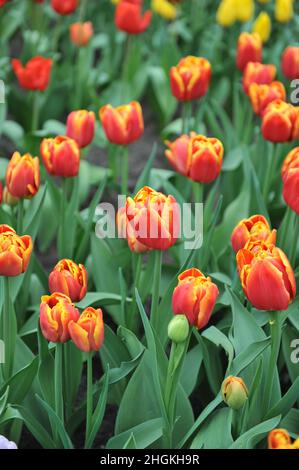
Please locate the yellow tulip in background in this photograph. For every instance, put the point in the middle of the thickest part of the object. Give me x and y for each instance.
(230, 11)
(284, 11)
(244, 10)
(164, 9)
(262, 26)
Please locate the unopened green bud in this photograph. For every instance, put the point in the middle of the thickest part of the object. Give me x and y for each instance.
(178, 329)
(234, 392)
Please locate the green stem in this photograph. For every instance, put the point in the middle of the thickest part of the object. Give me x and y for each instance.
(78, 77)
(7, 366)
(293, 250)
(197, 192)
(187, 112)
(89, 398)
(112, 163)
(82, 11)
(20, 216)
(156, 289)
(127, 53)
(61, 238)
(271, 164)
(275, 328)
(56, 34)
(125, 170)
(58, 381)
(137, 269)
(284, 228)
(35, 111)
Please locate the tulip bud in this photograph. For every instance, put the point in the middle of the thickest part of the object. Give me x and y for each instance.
(254, 228)
(15, 252)
(22, 175)
(195, 297)
(122, 125)
(234, 392)
(81, 33)
(178, 329)
(190, 79)
(61, 156)
(80, 127)
(165, 9)
(56, 313)
(226, 13)
(255, 72)
(265, 270)
(290, 63)
(88, 331)
(262, 26)
(8, 198)
(244, 10)
(129, 17)
(35, 75)
(70, 279)
(249, 49)
(279, 439)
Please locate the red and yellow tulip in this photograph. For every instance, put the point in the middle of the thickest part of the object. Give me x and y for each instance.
(261, 74)
(190, 79)
(80, 126)
(280, 122)
(253, 229)
(290, 178)
(87, 332)
(61, 156)
(15, 252)
(81, 33)
(129, 17)
(290, 62)
(262, 95)
(249, 49)
(70, 279)
(23, 175)
(195, 297)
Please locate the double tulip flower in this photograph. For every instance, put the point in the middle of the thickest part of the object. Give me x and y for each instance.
(280, 439)
(15, 252)
(253, 229)
(195, 156)
(150, 220)
(262, 95)
(70, 279)
(255, 72)
(190, 79)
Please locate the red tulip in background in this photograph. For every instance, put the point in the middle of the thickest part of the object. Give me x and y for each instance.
(129, 17)
(23, 175)
(290, 63)
(64, 7)
(35, 75)
(261, 74)
(249, 49)
(262, 95)
(280, 122)
(81, 33)
(290, 178)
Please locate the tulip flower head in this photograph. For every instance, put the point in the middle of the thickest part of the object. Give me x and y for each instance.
(80, 127)
(165, 9)
(88, 331)
(81, 33)
(261, 74)
(56, 313)
(195, 156)
(125, 230)
(266, 276)
(64, 7)
(262, 95)
(284, 10)
(153, 218)
(195, 297)
(70, 279)
(35, 75)
(190, 79)
(122, 125)
(290, 62)
(23, 175)
(279, 439)
(61, 156)
(15, 252)
(249, 49)
(280, 122)
(290, 178)
(254, 228)
(129, 17)
(234, 392)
